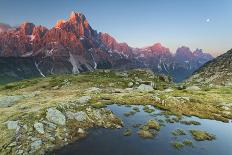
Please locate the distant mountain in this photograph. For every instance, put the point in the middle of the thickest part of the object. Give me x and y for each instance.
(73, 46)
(217, 71)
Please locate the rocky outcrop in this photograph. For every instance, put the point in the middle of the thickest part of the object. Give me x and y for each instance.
(55, 128)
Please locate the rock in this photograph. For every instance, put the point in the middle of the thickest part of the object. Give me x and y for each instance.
(168, 90)
(93, 90)
(36, 145)
(193, 88)
(8, 101)
(12, 125)
(79, 116)
(55, 116)
(130, 84)
(51, 126)
(20, 152)
(39, 128)
(49, 137)
(97, 114)
(81, 131)
(84, 99)
(145, 88)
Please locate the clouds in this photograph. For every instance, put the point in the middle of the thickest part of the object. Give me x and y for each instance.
(4, 27)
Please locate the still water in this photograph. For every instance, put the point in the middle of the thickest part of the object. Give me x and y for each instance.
(113, 142)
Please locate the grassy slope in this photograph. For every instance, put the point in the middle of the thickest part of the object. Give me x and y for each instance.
(55, 90)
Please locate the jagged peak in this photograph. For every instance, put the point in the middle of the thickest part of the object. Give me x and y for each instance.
(60, 22)
(77, 16)
(26, 28)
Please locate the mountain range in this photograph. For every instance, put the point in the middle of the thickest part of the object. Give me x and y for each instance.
(73, 46)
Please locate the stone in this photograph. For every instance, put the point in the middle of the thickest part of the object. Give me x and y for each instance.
(79, 116)
(20, 152)
(39, 127)
(97, 114)
(8, 101)
(130, 84)
(93, 90)
(12, 125)
(55, 116)
(193, 88)
(81, 131)
(84, 99)
(145, 88)
(36, 145)
(49, 137)
(168, 90)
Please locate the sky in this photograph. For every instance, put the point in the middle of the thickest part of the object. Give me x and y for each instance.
(205, 24)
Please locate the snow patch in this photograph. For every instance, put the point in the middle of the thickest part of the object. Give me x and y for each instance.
(74, 64)
(37, 67)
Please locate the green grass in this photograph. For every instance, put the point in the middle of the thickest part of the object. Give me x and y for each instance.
(199, 135)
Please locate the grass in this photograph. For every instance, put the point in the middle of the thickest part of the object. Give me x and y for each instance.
(66, 89)
(153, 124)
(178, 132)
(180, 145)
(147, 109)
(199, 135)
(177, 145)
(190, 122)
(127, 132)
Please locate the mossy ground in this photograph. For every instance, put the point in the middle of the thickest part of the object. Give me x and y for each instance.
(210, 103)
(202, 135)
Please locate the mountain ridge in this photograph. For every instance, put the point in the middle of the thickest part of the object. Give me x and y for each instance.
(73, 46)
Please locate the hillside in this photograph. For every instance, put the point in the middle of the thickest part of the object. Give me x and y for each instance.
(43, 114)
(217, 71)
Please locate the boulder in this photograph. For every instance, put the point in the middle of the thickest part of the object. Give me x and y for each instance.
(84, 99)
(39, 128)
(130, 84)
(36, 145)
(145, 88)
(168, 90)
(193, 88)
(8, 101)
(12, 125)
(81, 131)
(79, 116)
(55, 116)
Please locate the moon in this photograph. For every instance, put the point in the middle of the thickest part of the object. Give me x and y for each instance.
(208, 20)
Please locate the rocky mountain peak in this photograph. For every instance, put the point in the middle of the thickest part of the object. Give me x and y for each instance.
(59, 23)
(4, 27)
(26, 28)
(77, 23)
(77, 17)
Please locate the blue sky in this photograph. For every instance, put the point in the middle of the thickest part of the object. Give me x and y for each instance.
(205, 24)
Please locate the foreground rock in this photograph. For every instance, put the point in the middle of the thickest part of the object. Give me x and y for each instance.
(55, 128)
(145, 88)
(55, 116)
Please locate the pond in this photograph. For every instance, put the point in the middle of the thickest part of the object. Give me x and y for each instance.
(113, 142)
